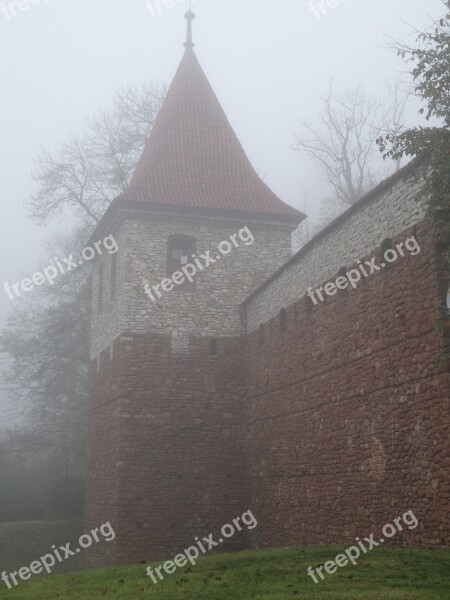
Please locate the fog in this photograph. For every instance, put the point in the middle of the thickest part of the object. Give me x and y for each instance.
(267, 62)
(270, 65)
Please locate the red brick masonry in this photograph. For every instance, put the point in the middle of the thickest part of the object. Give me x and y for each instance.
(165, 454)
(326, 427)
(348, 410)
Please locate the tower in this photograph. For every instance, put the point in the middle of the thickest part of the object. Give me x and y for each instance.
(165, 447)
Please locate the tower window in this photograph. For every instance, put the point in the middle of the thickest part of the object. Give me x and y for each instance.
(180, 250)
(179, 255)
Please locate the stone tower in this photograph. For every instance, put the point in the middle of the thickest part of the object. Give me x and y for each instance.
(165, 455)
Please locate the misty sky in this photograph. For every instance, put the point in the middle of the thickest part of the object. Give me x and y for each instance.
(268, 62)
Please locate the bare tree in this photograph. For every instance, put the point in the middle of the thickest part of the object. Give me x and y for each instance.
(44, 348)
(305, 231)
(399, 94)
(343, 143)
(88, 171)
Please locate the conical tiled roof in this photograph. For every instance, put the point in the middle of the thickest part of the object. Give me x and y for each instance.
(193, 157)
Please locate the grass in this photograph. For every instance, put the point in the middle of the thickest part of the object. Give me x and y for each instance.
(382, 574)
(22, 543)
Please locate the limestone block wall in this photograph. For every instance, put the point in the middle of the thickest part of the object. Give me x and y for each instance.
(213, 308)
(386, 213)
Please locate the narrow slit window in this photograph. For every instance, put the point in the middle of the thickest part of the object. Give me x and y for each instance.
(386, 245)
(100, 289)
(261, 334)
(113, 276)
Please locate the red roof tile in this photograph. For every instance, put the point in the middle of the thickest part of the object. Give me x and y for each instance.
(193, 157)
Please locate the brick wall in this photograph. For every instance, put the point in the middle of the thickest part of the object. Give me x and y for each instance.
(348, 406)
(102, 454)
(165, 461)
(327, 425)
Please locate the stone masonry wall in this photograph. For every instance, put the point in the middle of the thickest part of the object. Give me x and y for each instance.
(165, 461)
(101, 457)
(366, 225)
(347, 419)
(326, 421)
(213, 308)
(166, 445)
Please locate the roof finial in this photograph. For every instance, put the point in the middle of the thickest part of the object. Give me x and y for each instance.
(189, 16)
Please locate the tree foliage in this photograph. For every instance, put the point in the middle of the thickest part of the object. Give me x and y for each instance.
(430, 59)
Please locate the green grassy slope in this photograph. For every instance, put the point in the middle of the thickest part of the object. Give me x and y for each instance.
(22, 543)
(383, 574)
